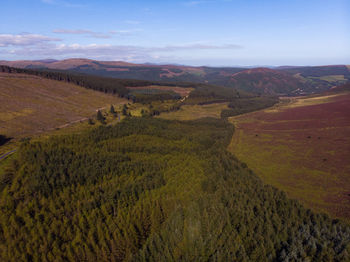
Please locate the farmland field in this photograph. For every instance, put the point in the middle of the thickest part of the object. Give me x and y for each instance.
(301, 146)
(31, 105)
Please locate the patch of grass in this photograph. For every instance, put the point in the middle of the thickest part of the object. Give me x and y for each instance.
(191, 112)
(331, 78)
(291, 102)
(180, 90)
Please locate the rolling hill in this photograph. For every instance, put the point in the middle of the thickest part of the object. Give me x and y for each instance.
(280, 80)
(318, 79)
(267, 81)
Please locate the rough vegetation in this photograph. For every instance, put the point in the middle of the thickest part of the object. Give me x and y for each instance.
(301, 147)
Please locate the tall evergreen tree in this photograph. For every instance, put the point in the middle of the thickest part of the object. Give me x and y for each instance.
(100, 117)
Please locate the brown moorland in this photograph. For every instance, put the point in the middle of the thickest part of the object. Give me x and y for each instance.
(303, 148)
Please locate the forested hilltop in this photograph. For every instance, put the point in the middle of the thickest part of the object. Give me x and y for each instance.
(153, 190)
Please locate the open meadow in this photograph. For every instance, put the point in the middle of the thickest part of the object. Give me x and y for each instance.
(301, 146)
(179, 90)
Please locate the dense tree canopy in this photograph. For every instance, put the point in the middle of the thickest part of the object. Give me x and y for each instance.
(153, 190)
(244, 105)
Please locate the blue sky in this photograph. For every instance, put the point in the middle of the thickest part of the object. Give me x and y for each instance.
(202, 32)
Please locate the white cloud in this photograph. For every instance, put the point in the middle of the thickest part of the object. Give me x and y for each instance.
(82, 32)
(31, 46)
(24, 40)
(93, 34)
(109, 52)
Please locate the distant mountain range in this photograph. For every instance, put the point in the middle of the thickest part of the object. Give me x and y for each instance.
(284, 80)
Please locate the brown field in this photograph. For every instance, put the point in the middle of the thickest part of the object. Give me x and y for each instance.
(180, 90)
(31, 105)
(301, 146)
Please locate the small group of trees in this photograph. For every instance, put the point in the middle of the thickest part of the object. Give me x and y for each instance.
(101, 118)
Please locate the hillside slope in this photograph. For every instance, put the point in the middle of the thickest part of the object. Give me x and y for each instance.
(31, 104)
(267, 81)
(318, 79)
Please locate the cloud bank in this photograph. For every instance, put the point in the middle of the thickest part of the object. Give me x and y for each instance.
(40, 46)
(24, 40)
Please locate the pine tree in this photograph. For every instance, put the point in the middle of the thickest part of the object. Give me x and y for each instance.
(112, 111)
(100, 117)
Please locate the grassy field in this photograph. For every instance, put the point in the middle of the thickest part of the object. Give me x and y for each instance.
(331, 78)
(301, 146)
(190, 112)
(31, 105)
(179, 90)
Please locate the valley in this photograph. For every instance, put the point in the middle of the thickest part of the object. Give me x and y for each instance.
(216, 165)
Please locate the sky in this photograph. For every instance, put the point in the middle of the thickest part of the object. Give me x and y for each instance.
(199, 32)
